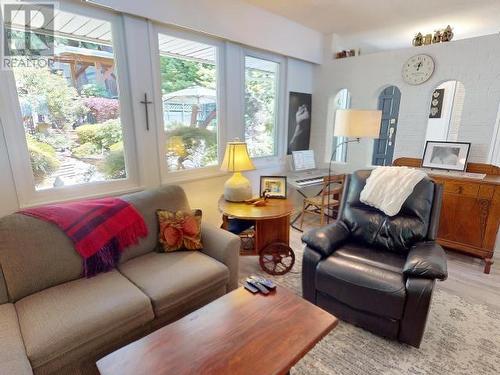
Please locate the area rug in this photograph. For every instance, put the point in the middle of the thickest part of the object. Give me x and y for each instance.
(461, 338)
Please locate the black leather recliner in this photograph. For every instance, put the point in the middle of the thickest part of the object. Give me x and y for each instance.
(377, 271)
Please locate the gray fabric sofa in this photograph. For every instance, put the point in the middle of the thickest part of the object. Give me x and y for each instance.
(53, 321)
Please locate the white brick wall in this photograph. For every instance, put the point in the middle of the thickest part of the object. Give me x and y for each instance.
(475, 62)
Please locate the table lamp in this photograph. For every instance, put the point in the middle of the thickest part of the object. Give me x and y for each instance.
(237, 160)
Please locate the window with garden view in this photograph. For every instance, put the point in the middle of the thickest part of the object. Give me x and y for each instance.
(70, 107)
(189, 96)
(261, 98)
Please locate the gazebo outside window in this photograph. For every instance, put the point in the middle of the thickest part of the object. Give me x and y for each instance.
(189, 95)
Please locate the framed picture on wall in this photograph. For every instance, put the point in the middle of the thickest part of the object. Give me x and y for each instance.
(273, 186)
(436, 103)
(446, 155)
(299, 121)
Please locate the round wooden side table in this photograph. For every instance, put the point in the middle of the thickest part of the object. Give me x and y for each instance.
(272, 231)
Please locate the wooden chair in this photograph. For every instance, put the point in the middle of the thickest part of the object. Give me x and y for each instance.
(326, 201)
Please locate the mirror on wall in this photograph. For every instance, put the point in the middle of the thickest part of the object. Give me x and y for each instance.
(342, 100)
(495, 143)
(445, 113)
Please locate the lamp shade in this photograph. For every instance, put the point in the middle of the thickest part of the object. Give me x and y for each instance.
(357, 123)
(236, 158)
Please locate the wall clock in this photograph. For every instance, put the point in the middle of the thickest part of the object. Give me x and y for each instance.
(418, 69)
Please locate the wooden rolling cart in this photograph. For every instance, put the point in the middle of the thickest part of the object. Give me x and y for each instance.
(271, 231)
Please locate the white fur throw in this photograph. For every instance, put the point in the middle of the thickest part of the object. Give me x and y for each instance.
(387, 188)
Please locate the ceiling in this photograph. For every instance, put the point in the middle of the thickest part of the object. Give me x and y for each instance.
(385, 24)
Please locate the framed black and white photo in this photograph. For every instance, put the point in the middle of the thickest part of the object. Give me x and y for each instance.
(273, 186)
(299, 121)
(446, 155)
(436, 103)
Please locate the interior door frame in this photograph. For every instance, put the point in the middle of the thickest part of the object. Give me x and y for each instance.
(394, 115)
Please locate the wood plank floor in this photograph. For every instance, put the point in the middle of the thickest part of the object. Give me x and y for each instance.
(466, 278)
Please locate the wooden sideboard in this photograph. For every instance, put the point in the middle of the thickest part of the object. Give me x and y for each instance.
(470, 213)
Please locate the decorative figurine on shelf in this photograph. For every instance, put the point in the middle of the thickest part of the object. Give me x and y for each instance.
(341, 55)
(347, 53)
(427, 39)
(418, 40)
(266, 194)
(447, 34)
(437, 37)
(441, 35)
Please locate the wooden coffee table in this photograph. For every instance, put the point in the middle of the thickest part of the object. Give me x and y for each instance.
(237, 334)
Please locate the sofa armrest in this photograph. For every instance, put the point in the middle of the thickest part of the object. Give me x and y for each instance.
(224, 247)
(327, 239)
(426, 260)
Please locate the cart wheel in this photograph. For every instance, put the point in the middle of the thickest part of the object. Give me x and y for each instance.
(277, 258)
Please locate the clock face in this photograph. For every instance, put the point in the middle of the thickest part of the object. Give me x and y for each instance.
(418, 69)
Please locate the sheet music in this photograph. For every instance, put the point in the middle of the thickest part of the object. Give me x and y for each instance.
(303, 160)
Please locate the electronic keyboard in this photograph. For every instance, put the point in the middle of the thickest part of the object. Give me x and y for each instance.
(309, 181)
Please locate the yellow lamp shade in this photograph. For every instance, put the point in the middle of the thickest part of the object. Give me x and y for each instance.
(357, 123)
(236, 158)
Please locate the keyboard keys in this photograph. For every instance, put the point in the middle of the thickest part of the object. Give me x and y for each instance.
(309, 181)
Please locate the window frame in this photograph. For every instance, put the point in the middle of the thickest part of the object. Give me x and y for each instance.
(16, 139)
(280, 133)
(194, 173)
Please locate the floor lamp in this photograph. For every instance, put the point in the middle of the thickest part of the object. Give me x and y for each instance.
(356, 124)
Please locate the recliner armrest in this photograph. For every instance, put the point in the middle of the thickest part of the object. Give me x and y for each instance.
(327, 239)
(426, 260)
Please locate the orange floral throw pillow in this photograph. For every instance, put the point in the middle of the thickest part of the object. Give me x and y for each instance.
(179, 230)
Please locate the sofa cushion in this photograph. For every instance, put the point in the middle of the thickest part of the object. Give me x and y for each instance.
(170, 198)
(13, 359)
(172, 279)
(35, 255)
(374, 257)
(362, 284)
(78, 314)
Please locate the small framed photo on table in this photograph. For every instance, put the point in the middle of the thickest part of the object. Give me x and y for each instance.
(446, 155)
(273, 186)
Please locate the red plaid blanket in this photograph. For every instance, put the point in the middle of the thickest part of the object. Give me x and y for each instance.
(100, 229)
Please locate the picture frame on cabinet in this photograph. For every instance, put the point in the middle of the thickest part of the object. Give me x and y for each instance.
(446, 155)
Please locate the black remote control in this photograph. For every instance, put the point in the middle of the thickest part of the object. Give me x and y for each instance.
(266, 282)
(259, 286)
(251, 288)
